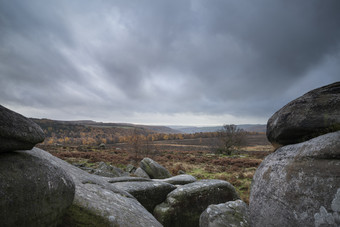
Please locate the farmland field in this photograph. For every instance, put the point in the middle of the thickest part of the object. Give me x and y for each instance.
(193, 156)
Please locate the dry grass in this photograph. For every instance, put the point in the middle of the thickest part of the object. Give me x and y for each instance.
(196, 160)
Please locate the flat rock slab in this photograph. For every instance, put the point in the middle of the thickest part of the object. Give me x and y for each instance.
(298, 185)
(33, 191)
(179, 179)
(148, 193)
(184, 205)
(313, 114)
(229, 214)
(18, 132)
(154, 169)
(127, 179)
(98, 198)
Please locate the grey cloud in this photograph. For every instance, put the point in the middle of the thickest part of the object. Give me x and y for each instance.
(210, 57)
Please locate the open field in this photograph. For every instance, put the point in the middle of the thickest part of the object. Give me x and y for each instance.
(193, 156)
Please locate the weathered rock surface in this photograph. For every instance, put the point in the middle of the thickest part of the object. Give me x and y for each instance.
(130, 168)
(178, 180)
(298, 185)
(33, 191)
(185, 204)
(313, 114)
(18, 132)
(154, 169)
(229, 214)
(106, 170)
(127, 179)
(141, 173)
(97, 198)
(148, 193)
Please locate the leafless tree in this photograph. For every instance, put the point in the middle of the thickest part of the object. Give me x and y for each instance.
(230, 138)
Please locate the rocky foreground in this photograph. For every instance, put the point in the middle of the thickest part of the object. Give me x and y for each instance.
(297, 185)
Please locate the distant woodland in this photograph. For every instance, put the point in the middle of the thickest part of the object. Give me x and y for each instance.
(96, 133)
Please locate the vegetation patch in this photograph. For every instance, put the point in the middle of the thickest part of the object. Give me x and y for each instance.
(79, 217)
(192, 156)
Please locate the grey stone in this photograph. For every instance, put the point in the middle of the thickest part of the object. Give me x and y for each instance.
(184, 205)
(148, 193)
(18, 132)
(293, 183)
(130, 168)
(98, 198)
(181, 172)
(323, 218)
(141, 173)
(313, 114)
(106, 170)
(127, 179)
(154, 169)
(178, 180)
(229, 214)
(33, 191)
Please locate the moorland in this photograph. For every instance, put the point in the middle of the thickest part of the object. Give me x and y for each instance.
(88, 143)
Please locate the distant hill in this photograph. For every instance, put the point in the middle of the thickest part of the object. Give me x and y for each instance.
(45, 123)
(246, 127)
(254, 127)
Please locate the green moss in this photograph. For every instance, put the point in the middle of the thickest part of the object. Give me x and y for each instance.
(242, 185)
(77, 216)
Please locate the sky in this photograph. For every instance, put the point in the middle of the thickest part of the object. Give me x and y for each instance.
(177, 62)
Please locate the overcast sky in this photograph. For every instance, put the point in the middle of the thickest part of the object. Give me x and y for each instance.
(176, 62)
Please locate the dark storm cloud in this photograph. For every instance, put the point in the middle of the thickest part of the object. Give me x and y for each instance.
(99, 58)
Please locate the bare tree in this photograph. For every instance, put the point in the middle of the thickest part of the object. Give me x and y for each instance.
(135, 142)
(140, 143)
(230, 138)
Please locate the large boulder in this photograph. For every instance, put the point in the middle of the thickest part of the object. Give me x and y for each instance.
(298, 185)
(18, 132)
(184, 205)
(148, 193)
(313, 114)
(33, 191)
(154, 169)
(229, 214)
(97, 199)
(178, 180)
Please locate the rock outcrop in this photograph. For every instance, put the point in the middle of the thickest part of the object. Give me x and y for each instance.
(130, 169)
(95, 198)
(18, 132)
(33, 191)
(297, 184)
(178, 180)
(229, 214)
(148, 193)
(313, 114)
(141, 173)
(107, 170)
(154, 169)
(184, 205)
(127, 179)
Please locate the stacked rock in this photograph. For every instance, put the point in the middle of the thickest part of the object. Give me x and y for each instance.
(299, 184)
(33, 192)
(17, 132)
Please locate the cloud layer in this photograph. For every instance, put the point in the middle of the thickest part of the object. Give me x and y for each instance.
(167, 62)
